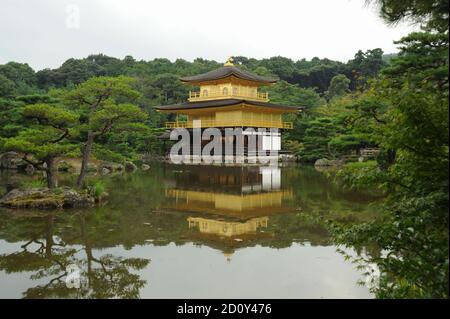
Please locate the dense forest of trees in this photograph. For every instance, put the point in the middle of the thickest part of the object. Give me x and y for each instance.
(20, 79)
(311, 84)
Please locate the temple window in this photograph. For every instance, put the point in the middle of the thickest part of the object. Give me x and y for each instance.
(225, 91)
(205, 92)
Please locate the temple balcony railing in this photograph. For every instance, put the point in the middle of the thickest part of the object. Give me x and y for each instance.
(232, 123)
(228, 94)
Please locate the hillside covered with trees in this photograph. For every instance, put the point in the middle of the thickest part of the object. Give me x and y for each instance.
(311, 84)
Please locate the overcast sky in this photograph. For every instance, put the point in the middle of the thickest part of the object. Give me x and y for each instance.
(44, 33)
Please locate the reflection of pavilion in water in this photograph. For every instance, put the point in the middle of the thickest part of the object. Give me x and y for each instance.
(232, 192)
(230, 204)
(227, 228)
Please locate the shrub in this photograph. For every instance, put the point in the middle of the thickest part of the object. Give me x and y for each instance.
(35, 183)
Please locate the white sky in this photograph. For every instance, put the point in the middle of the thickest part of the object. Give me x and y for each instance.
(44, 33)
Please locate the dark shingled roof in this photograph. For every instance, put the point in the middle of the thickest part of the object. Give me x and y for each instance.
(226, 71)
(224, 102)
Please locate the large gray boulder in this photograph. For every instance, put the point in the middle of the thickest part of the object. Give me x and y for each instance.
(108, 165)
(322, 162)
(288, 158)
(130, 166)
(72, 198)
(327, 162)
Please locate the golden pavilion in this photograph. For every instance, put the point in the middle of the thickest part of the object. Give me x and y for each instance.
(230, 97)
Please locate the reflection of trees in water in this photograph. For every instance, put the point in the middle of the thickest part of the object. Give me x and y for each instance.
(134, 216)
(47, 256)
(112, 276)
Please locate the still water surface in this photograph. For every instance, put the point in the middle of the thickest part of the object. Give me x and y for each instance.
(188, 232)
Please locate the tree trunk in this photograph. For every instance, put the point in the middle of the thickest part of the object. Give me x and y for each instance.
(87, 247)
(49, 236)
(50, 172)
(392, 154)
(87, 149)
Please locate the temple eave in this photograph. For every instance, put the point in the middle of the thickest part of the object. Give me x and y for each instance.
(227, 71)
(220, 103)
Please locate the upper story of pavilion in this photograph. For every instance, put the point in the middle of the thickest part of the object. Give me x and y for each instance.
(228, 82)
(229, 97)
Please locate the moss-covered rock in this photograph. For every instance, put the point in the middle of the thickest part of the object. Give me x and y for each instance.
(130, 166)
(44, 198)
(327, 162)
(108, 165)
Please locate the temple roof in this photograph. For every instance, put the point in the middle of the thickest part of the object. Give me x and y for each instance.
(227, 71)
(224, 102)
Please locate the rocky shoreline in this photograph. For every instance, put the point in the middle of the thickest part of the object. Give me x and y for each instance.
(15, 161)
(37, 197)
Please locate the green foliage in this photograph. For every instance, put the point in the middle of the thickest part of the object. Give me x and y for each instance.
(119, 114)
(318, 133)
(97, 189)
(106, 154)
(346, 144)
(19, 77)
(100, 91)
(167, 89)
(289, 94)
(293, 146)
(36, 98)
(35, 183)
(327, 132)
(364, 66)
(407, 108)
(37, 142)
(159, 74)
(44, 138)
(106, 112)
(339, 86)
(7, 87)
(53, 116)
(432, 13)
(11, 121)
(359, 175)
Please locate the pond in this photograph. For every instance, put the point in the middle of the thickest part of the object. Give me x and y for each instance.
(188, 232)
